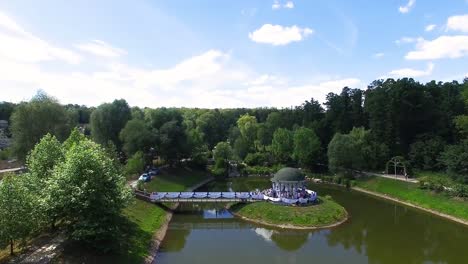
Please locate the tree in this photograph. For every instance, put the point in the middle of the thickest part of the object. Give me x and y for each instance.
(18, 218)
(91, 193)
(108, 120)
(306, 147)
(424, 153)
(222, 152)
(32, 120)
(341, 153)
(248, 129)
(44, 157)
(282, 145)
(172, 141)
(136, 136)
(455, 159)
(135, 164)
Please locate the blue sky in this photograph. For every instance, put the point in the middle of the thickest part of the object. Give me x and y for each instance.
(224, 53)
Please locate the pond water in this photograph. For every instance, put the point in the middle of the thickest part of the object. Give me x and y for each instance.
(378, 231)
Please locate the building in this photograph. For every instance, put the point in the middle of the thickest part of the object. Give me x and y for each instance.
(287, 182)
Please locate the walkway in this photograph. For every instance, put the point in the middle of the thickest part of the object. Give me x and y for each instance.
(391, 176)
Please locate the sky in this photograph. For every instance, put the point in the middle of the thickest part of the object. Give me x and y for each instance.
(223, 54)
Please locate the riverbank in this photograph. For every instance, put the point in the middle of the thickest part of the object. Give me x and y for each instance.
(326, 214)
(437, 203)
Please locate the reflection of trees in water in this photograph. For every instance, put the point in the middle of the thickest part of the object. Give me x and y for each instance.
(388, 232)
(289, 240)
(175, 240)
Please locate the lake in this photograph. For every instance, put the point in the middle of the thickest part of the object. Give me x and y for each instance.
(378, 231)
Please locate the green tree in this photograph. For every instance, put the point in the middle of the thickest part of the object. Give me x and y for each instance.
(424, 153)
(32, 120)
(91, 193)
(306, 147)
(455, 159)
(282, 145)
(222, 152)
(18, 218)
(135, 164)
(248, 129)
(341, 153)
(44, 157)
(108, 120)
(136, 136)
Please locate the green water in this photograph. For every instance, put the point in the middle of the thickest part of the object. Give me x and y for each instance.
(377, 232)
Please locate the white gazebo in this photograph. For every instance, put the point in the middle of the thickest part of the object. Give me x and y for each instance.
(287, 181)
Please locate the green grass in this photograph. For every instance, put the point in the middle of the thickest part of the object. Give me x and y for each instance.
(409, 192)
(325, 213)
(148, 218)
(175, 180)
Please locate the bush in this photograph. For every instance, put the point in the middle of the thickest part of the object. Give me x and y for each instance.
(256, 159)
(5, 154)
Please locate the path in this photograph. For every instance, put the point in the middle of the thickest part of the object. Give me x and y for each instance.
(11, 170)
(391, 176)
(42, 251)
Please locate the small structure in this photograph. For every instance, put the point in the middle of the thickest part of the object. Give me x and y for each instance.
(398, 164)
(287, 181)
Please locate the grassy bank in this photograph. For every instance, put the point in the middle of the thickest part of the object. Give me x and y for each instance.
(175, 180)
(240, 184)
(144, 220)
(326, 213)
(409, 192)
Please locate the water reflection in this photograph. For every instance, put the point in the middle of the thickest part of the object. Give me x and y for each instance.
(377, 232)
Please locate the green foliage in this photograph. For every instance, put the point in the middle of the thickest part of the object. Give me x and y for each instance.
(18, 214)
(424, 153)
(306, 147)
(248, 125)
(282, 145)
(32, 120)
(257, 158)
(135, 164)
(341, 153)
(44, 157)
(108, 120)
(136, 136)
(260, 170)
(222, 151)
(89, 192)
(455, 159)
(461, 123)
(5, 154)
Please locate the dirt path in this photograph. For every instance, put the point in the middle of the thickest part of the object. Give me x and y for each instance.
(42, 251)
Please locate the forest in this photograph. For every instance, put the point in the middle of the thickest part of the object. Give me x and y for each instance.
(425, 124)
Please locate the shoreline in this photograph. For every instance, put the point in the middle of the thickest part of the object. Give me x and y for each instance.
(160, 234)
(390, 198)
(288, 226)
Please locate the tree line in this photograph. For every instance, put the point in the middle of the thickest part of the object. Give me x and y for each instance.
(425, 123)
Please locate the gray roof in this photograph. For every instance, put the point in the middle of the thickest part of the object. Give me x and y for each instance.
(288, 174)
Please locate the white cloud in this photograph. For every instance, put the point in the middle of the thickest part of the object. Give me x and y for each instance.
(101, 49)
(430, 27)
(405, 40)
(406, 8)
(412, 73)
(210, 79)
(379, 55)
(289, 4)
(442, 47)
(458, 23)
(278, 35)
(277, 5)
(20, 45)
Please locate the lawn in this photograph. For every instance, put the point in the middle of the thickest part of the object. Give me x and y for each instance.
(175, 180)
(327, 212)
(409, 192)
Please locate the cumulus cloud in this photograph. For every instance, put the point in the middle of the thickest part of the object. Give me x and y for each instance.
(430, 27)
(278, 35)
(19, 45)
(101, 49)
(458, 23)
(289, 4)
(412, 73)
(210, 79)
(450, 47)
(406, 8)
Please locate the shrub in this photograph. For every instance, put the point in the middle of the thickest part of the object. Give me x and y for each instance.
(257, 158)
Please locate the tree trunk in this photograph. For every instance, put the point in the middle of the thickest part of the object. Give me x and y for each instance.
(11, 246)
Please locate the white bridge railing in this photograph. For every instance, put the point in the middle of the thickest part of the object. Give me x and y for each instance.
(225, 197)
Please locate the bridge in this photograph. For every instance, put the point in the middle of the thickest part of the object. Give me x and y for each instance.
(220, 197)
